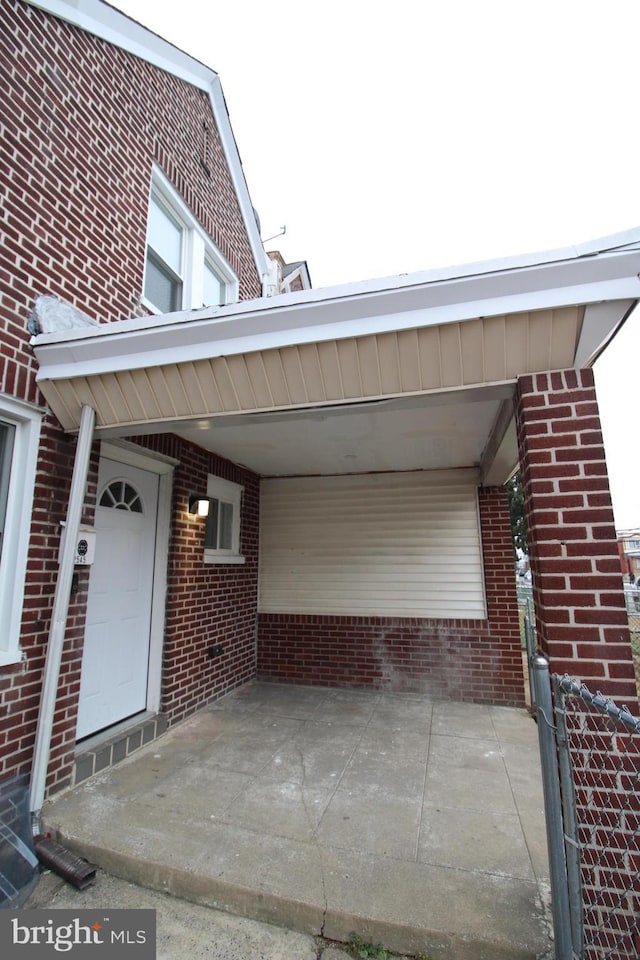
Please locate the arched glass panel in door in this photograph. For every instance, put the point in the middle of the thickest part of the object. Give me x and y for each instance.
(120, 495)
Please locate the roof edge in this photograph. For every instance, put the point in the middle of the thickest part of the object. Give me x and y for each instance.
(346, 312)
(495, 273)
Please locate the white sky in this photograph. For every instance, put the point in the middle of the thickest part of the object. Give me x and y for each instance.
(399, 136)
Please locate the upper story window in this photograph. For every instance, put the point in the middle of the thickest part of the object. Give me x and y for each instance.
(19, 437)
(183, 269)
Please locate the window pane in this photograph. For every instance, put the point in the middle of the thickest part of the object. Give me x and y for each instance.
(160, 287)
(211, 531)
(165, 236)
(225, 538)
(213, 287)
(6, 446)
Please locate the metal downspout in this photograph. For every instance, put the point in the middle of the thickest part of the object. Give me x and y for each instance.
(60, 613)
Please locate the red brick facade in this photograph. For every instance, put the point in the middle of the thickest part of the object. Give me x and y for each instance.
(474, 660)
(580, 610)
(82, 124)
(582, 626)
(207, 604)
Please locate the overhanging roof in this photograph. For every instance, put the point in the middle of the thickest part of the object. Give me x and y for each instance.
(455, 338)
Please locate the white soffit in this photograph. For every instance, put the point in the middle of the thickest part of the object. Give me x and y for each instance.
(427, 360)
(426, 334)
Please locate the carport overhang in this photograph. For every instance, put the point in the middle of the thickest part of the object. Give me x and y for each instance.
(409, 372)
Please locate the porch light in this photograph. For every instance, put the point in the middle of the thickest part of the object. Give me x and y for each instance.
(199, 506)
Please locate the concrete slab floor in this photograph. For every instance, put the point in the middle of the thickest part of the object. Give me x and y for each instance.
(412, 822)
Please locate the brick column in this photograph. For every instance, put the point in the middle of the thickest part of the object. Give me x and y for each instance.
(577, 581)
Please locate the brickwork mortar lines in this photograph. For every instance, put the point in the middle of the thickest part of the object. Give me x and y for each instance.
(572, 532)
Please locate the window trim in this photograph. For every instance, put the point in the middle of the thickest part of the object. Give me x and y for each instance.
(197, 248)
(26, 421)
(228, 492)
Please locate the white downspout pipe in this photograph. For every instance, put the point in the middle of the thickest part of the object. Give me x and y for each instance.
(59, 615)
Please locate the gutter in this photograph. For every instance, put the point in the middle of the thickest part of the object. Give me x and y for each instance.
(355, 310)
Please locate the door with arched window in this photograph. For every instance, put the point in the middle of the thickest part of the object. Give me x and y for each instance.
(115, 660)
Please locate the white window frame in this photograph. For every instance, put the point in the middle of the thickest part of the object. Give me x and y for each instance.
(227, 492)
(197, 247)
(26, 422)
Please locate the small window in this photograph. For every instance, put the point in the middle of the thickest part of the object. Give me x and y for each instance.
(222, 533)
(184, 270)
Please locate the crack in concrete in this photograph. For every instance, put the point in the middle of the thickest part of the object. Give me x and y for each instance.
(313, 828)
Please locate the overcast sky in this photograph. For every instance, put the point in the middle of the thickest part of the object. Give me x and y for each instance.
(395, 137)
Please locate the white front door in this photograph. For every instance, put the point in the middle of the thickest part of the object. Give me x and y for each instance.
(115, 660)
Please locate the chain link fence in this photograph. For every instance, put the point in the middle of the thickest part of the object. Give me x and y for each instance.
(590, 754)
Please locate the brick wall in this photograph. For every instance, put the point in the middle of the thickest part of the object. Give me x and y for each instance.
(81, 125)
(474, 660)
(577, 586)
(207, 604)
(20, 684)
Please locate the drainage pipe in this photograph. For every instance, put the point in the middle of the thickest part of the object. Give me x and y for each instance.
(60, 614)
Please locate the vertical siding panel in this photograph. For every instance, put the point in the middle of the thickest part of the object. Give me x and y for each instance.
(389, 363)
(369, 366)
(564, 334)
(204, 372)
(259, 380)
(540, 339)
(312, 372)
(409, 353)
(330, 367)
(293, 372)
(451, 355)
(517, 345)
(472, 345)
(349, 368)
(429, 353)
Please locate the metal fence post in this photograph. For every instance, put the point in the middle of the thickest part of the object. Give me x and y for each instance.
(570, 827)
(553, 810)
(530, 645)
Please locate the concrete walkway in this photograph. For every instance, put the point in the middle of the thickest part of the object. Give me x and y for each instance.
(183, 929)
(415, 823)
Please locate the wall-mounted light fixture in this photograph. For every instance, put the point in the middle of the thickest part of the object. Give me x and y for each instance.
(199, 506)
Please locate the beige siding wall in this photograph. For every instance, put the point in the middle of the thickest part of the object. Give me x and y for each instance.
(395, 544)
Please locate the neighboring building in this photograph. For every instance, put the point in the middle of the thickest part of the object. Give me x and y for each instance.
(629, 550)
(351, 444)
(292, 277)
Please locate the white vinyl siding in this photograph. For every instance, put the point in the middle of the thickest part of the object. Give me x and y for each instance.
(389, 545)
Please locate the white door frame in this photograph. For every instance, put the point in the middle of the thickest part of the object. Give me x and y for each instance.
(135, 456)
